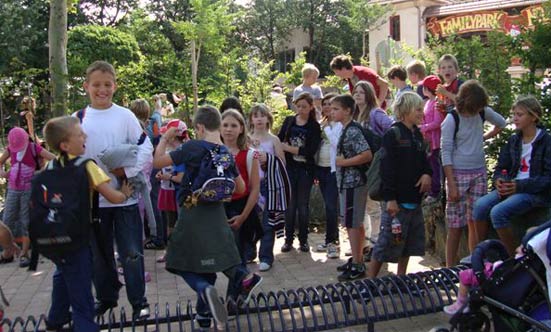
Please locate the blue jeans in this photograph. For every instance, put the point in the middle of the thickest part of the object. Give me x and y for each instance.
(328, 187)
(72, 287)
(266, 250)
(200, 281)
(500, 211)
(301, 184)
(161, 237)
(124, 225)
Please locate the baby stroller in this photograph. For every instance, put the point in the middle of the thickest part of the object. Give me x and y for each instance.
(517, 294)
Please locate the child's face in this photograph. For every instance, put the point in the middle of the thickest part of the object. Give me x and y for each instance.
(303, 108)
(448, 71)
(359, 96)
(413, 77)
(75, 143)
(344, 73)
(414, 117)
(260, 121)
(339, 113)
(427, 93)
(326, 109)
(310, 78)
(231, 129)
(100, 87)
(523, 119)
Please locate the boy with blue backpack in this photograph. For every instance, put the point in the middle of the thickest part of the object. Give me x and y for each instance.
(61, 216)
(202, 242)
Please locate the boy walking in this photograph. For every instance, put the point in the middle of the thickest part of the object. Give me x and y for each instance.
(107, 124)
(402, 227)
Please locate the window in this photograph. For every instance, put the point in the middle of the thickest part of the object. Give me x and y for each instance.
(283, 60)
(395, 27)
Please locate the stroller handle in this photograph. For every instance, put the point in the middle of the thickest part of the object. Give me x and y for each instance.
(479, 254)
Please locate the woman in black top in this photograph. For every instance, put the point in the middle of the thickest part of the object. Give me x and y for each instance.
(300, 136)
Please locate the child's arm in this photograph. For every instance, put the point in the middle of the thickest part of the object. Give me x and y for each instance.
(492, 133)
(447, 147)
(359, 159)
(278, 148)
(113, 195)
(47, 154)
(5, 155)
(436, 122)
(239, 185)
(161, 158)
(440, 89)
(177, 178)
(496, 119)
(254, 191)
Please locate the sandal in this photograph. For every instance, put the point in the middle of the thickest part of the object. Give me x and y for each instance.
(5, 260)
(153, 246)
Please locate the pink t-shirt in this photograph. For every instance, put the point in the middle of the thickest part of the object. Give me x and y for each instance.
(431, 124)
(23, 165)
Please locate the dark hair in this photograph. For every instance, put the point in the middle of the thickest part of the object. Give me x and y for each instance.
(231, 102)
(346, 101)
(398, 72)
(328, 96)
(471, 98)
(310, 100)
(341, 62)
(209, 117)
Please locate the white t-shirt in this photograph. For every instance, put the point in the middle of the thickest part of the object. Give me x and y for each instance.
(111, 127)
(525, 158)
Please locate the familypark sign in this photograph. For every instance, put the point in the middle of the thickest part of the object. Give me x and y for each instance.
(491, 20)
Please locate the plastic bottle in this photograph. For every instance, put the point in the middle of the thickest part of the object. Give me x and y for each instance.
(396, 227)
(504, 176)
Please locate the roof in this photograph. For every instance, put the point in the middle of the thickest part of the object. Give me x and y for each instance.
(476, 5)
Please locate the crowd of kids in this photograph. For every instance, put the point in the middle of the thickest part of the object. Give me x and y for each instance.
(246, 184)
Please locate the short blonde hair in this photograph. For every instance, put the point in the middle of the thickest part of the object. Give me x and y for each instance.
(309, 69)
(406, 103)
(58, 130)
(140, 107)
(449, 57)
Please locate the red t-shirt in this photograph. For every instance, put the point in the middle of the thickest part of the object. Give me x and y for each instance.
(241, 163)
(366, 74)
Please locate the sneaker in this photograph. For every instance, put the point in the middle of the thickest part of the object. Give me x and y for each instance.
(217, 308)
(333, 251)
(140, 312)
(263, 267)
(286, 247)
(304, 247)
(24, 261)
(248, 285)
(454, 308)
(102, 307)
(356, 271)
(345, 266)
(203, 320)
(322, 247)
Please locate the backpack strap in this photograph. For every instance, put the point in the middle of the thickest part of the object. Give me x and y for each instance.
(455, 116)
(80, 114)
(142, 138)
(35, 156)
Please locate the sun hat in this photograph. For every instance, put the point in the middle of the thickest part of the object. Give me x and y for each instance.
(431, 82)
(17, 139)
(181, 127)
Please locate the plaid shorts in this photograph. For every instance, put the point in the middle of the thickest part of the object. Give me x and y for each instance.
(471, 184)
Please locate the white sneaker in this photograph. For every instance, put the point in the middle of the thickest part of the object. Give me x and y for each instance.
(217, 309)
(263, 267)
(322, 247)
(333, 251)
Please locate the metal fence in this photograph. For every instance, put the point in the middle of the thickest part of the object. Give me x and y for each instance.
(321, 308)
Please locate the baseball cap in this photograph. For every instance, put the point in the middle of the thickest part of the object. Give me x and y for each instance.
(431, 82)
(181, 127)
(17, 139)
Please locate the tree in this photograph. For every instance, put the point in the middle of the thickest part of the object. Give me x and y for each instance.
(363, 16)
(57, 38)
(106, 12)
(206, 30)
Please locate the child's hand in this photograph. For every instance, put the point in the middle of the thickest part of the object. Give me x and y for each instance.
(453, 193)
(339, 160)
(392, 208)
(441, 90)
(118, 172)
(424, 183)
(170, 134)
(13, 250)
(506, 188)
(235, 222)
(127, 189)
(158, 175)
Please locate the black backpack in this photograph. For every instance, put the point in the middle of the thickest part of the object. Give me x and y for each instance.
(211, 181)
(61, 208)
(456, 118)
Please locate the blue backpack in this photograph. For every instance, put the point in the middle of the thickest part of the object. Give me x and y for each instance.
(212, 181)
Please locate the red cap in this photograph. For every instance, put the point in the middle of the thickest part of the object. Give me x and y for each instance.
(181, 127)
(431, 82)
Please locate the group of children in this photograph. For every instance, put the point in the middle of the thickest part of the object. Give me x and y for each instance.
(331, 138)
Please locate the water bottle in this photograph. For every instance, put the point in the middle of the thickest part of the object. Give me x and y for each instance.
(504, 177)
(396, 227)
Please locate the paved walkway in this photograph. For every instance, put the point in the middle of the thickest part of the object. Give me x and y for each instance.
(29, 293)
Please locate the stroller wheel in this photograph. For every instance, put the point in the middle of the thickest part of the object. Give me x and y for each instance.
(474, 322)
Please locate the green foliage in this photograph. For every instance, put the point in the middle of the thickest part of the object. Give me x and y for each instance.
(293, 76)
(88, 43)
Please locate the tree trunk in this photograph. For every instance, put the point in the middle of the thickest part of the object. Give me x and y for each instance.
(364, 44)
(57, 39)
(194, 64)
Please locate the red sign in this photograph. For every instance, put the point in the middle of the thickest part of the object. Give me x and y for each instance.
(490, 20)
